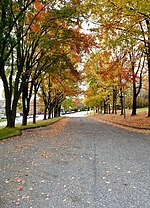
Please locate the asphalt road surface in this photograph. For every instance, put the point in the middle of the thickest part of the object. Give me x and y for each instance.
(76, 162)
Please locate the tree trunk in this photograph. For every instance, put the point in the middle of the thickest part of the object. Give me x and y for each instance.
(149, 84)
(57, 111)
(10, 115)
(11, 111)
(45, 112)
(134, 99)
(34, 107)
(10, 104)
(148, 60)
(24, 102)
(53, 113)
(10, 120)
(49, 113)
(114, 101)
(105, 106)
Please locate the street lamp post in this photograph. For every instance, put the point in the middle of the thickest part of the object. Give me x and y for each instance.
(124, 106)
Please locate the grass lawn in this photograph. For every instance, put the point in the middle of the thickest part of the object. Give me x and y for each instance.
(9, 132)
(2, 120)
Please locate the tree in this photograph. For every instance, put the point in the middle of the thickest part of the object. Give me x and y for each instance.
(25, 27)
(57, 85)
(128, 20)
(54, 31)
(107, 73)
(12, 31)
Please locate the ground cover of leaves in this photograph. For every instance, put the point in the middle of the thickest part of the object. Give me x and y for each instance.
(140, 122)
(19, 163)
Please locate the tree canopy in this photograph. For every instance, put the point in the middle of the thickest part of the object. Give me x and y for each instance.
(42, 45)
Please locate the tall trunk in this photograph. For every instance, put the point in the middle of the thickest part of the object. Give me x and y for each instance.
(25, 102)
(148, 60)
(49, 113)
(25, 112)
(105, 106)
(10, 110)
(10, 113)
(149, 84)
(109, 108)
(26, 98)
(134, 99)
(136, 89)
(52, 113)
(11, 120)
(114, 101)
(49, 97)
(34, 106)
(45, 112)
(147, 46)
(57, 110)
(134, 92)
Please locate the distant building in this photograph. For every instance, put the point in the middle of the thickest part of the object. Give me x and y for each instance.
(39, 107)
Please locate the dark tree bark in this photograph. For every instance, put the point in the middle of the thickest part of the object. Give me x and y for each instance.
(135, 73)
(147, 49)
(148, 60)
(34, 108)
(49, 113)
(114, 101)
(134, 99)
(105, 107)
(56, 110)
(45, 112)
(36, 87)
(25, 99)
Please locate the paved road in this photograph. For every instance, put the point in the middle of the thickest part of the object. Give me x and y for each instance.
(77, 162)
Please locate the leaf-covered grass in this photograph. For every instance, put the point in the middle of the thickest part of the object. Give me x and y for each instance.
(9, 132)
(138, 122)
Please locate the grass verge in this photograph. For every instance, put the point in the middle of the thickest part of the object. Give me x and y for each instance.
(2, 120)
(9, 132)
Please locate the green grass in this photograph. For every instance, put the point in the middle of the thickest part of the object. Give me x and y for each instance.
(9, 132)
(2, 120)
(142, 109)
(138, 110)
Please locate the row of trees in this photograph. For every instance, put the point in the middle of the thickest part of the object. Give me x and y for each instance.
(122, 64)
(41, 45)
